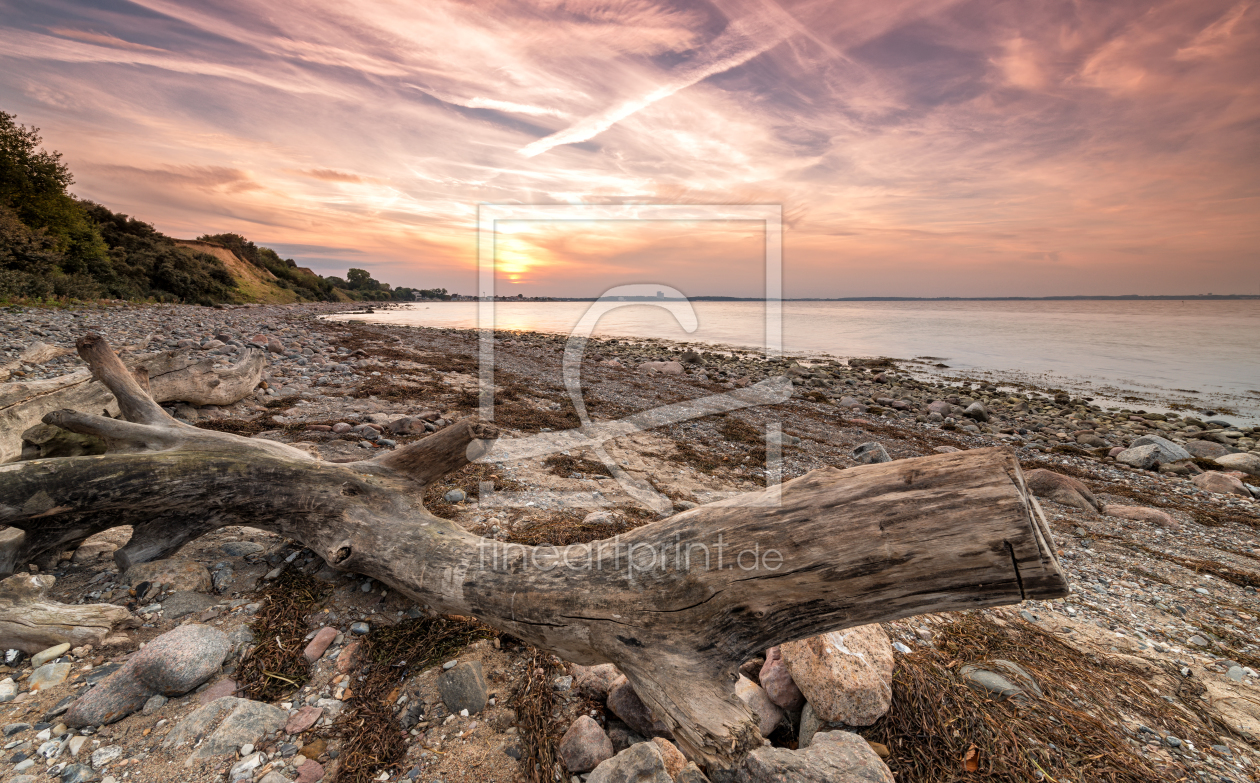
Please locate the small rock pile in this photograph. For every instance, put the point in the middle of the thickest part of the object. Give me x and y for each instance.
(820, 685)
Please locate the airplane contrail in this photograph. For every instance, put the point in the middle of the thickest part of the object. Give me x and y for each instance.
(734, 47)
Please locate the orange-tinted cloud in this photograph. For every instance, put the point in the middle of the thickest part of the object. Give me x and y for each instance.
(330, 175)
(918, 147)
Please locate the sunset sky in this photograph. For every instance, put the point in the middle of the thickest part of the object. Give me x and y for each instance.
(929, 148)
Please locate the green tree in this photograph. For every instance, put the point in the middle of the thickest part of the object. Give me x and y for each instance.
(33, 183)
(149, 263)
(27, 258)
(29, 176)
(237, 244)
(360, 280)
(24, 249)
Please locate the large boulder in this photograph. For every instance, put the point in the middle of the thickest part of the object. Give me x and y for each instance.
(584, 746)
(673, 758)
(777, 681)
(463, 687)
(754, 696)
(639, 763)
(185, 602)
(1143, 457)
(1247, 463)
(1151, 516)
(811, 724)
(1062, 489)
(976, 411)
(223, 725)
(1220, 483)
(1168, 451)
(833, 757)
(944, 408)
(1207, 449)
(593, 682)
(845, 675)
(170, 665)
(871, 453)
(1091, 440)
(667, 368)
(173, 574)
(627, 705)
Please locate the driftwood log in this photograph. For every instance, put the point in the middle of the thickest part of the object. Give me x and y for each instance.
(172, 376)
(31, 622)
(36, 353)
(677, 604)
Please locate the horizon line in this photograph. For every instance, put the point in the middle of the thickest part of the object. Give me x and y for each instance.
(1074, 297)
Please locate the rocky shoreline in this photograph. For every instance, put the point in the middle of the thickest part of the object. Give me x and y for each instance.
(1155, 517)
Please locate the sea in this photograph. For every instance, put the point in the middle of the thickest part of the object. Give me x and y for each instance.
(1201, 357)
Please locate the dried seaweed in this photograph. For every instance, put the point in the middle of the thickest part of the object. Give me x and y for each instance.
(564, 465)
(401, 386)
(1235, 576)
(239, 426)
(939, 729)
(535, 705)
(737, 430)
(563, 528)
(275, 665)
(374, 740)
(469, 479)
(1226, 642)
(526, 418)
(701, 460)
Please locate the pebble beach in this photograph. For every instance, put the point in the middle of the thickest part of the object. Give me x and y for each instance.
(1155, 516)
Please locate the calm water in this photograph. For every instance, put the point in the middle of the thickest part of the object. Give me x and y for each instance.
(1202, 353)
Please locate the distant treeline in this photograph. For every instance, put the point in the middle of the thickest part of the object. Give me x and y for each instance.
(54, 245)
(358, 284)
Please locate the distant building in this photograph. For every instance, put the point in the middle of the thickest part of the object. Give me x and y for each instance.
(660, 294)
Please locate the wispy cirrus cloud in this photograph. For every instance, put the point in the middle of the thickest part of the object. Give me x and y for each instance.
(201, 177)
(939, 147)
(739, 43)
(102, 39)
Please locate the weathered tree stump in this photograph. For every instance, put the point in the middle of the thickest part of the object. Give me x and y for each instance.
(31, 622)
(677, 604)
(171, 376)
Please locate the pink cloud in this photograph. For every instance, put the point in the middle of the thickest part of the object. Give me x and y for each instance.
(104, 39)
(983, 147)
